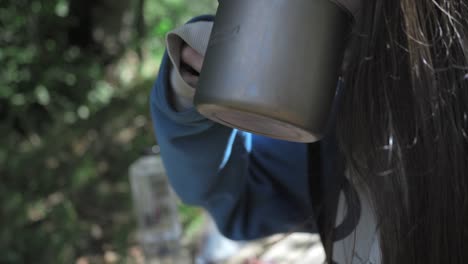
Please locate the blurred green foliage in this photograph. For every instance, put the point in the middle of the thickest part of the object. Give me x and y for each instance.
(74, 86)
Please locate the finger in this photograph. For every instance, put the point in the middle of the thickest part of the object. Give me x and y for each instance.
(189, 69)
(192, 58)
(189, 78)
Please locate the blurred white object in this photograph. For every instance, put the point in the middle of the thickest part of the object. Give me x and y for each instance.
(215, 248)
(156, 211)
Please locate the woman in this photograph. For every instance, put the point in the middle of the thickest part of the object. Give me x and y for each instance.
(401, 127)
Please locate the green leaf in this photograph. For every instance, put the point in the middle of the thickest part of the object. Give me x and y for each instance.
(42, 95)
(164, 26)
(61, 9)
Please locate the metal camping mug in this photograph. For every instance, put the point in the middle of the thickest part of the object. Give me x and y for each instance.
(272, 66)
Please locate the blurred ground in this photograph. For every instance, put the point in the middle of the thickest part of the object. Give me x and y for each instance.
(282, 249)
(279, 249)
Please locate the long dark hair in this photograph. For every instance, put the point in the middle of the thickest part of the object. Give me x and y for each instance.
(403, 126)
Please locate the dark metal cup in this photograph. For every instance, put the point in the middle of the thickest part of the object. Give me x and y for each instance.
(272, 66)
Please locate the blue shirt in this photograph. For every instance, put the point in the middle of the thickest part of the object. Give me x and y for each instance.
(253, 186)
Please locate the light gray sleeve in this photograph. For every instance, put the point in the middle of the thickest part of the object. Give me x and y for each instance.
(196, 35)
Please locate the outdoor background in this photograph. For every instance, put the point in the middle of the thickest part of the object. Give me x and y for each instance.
(75, 79)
